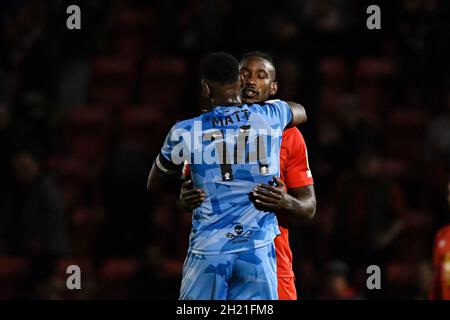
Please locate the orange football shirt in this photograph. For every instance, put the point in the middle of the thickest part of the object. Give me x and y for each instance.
(441, 265)
(295, 173)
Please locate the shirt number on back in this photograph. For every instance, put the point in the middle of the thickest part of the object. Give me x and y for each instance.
(237, 150)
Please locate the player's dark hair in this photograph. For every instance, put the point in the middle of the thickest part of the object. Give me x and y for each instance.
(220, 67)
(259, 54)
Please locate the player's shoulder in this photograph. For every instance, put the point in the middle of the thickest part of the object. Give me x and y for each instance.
(186, 123)
(292, 133)
(293, 137)
(270, 107)
(268, 103)
(443, 232)
(224, 110)
(277, 102)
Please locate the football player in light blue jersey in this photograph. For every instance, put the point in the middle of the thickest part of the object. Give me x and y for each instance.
(230, 150)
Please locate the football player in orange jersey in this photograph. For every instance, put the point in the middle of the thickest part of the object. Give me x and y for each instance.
(440, 289)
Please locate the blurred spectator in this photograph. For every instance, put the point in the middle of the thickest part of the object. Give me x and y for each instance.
(329, 15)
(6, 141)
(370, 212)
(77, 47)
(345, 132)
(336, 284)
(32, 219)
(129, 206)
(424, 279)
(151, 271)
(440, 289)
(439, 133)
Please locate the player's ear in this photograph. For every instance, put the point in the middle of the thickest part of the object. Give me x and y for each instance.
(206, 90)
(241, 79)
(273, 88)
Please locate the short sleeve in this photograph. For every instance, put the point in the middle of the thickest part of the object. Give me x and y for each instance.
(171, 157)
(279, 110)
(297, 172)
(168, 145)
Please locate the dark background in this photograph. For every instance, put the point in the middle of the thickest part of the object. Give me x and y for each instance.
(83, 114)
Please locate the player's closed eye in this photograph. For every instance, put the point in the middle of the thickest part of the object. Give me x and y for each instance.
(245, 74)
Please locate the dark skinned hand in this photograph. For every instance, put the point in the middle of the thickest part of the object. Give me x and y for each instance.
(266, 197)
(190, 198)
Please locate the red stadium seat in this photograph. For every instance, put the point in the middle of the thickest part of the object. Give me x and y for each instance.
(85, 224)
(118, 269)
(173, 267)
(130, 46)
(132, 31)
(13, 272)
(90, 119)
(87, 218)
(373, 81)
(370, 68)
(166, 96)
(112, 80)
(71, 170)
(74, 175)
(87, 133)
(334, 72)
(374, 101)
(111, 96)
(133, 21)
(142, 128)
(406, 130)
(164, 80)
(413, 244)
(165, 69)
(329, 98)
(115, 276)
(114, 69)
(400, 274)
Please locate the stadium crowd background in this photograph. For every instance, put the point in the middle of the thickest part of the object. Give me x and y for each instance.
(83, 113)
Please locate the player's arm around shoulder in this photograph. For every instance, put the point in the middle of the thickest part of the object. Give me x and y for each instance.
(300, 202)
(298, 114)
(303, 204)
(298, 177)
(297, 111)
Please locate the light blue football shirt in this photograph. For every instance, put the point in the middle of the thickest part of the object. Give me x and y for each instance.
(230, 150)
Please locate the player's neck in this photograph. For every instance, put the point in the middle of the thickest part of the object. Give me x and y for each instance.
(226, 100)
(226, 94)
